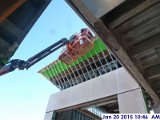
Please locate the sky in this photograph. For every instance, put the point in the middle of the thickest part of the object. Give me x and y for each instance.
(25, 94)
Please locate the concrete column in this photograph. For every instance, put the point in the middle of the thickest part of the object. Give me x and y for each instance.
(132, 102)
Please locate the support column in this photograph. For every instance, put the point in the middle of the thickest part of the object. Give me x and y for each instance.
(132, 102)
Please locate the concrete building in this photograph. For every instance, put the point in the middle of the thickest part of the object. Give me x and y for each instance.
(92, 85)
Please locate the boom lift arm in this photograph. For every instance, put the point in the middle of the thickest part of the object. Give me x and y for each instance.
(77, 46)
(21, 64)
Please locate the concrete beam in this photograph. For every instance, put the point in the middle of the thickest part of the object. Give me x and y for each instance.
(109, 84)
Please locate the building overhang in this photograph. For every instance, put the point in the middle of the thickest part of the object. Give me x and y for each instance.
(17, 17)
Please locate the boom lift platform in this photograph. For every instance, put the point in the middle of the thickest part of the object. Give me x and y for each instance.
(77, 46)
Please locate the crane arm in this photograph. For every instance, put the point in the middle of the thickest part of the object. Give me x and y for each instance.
(21, 64)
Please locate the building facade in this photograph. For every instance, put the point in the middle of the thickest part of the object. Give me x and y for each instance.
(91, 86)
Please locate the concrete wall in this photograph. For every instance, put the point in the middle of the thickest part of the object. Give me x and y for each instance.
(112, 83)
